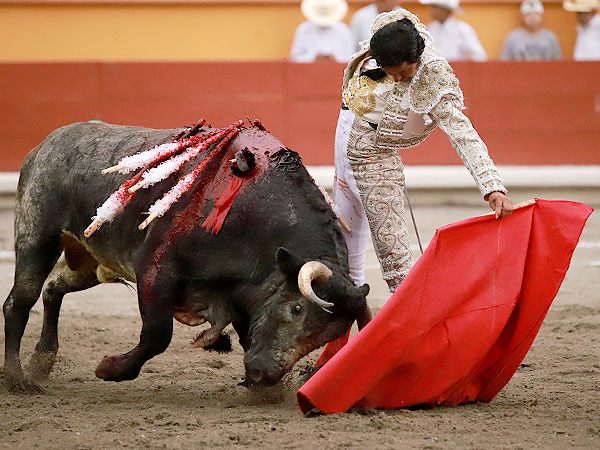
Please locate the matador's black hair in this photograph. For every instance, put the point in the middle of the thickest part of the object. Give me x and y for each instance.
(396, 43)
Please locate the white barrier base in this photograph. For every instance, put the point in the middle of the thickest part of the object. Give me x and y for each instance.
(444, 177)
(458, 177)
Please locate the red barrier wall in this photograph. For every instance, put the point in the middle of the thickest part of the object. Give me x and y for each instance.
(527, 113)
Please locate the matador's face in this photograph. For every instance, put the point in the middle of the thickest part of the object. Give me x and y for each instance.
(402, 72)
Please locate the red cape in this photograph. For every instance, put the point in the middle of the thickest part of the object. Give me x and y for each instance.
(462, 321)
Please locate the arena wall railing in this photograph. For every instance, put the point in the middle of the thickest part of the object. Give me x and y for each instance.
(528, 113)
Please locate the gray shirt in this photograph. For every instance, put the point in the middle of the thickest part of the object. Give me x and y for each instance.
(521, 45)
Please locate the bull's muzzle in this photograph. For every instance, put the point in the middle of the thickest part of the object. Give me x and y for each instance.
(260, 373)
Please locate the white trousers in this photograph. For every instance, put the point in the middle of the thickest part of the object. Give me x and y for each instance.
(347, 198)
(369, 194)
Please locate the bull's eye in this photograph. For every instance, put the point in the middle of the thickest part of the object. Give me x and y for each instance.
(297, 309)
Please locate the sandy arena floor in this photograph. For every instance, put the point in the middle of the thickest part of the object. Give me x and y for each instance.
(187, 398)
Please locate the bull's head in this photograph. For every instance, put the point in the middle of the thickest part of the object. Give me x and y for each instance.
(308, 305)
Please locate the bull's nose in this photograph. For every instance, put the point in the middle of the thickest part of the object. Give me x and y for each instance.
(253, 376)
(259, 374)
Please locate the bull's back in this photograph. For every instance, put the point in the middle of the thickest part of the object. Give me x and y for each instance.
(79, 151)
(63, 172)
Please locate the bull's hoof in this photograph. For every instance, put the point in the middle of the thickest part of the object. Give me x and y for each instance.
(19, 385)
(213, 340)
(117, 368)
(40, 365)
(222, 344)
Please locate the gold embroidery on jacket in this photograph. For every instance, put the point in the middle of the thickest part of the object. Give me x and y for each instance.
(359, 96)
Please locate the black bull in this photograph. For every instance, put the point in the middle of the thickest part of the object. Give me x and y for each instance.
(247, 274)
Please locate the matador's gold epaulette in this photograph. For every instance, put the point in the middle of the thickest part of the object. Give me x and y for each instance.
(433, 81)
(359, 95)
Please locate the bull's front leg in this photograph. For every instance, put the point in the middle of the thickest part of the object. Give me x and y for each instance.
(156, 308)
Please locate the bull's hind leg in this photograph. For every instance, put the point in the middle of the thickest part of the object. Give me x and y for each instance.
(61, 281)
(33, 264)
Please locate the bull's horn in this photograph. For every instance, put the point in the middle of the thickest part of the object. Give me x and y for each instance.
(313, 270)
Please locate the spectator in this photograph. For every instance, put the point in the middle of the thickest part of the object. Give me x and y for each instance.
(531, 41)
(587, 46)
(323, 36)
(454, 39)
(361, 20)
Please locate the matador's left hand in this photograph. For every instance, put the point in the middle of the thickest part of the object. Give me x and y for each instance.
(500, 203)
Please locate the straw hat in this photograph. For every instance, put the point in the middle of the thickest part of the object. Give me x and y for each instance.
(324, 12)
(452, 5)
(581, 5)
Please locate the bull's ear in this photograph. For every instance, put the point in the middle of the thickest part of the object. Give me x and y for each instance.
(288, 263)
(353, 299)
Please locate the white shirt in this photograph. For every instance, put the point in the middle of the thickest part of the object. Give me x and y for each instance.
(456, 40)
(361, 22)
(311, 40)
(587, 46)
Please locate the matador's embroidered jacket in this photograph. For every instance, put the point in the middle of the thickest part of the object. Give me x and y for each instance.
(406, 112)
